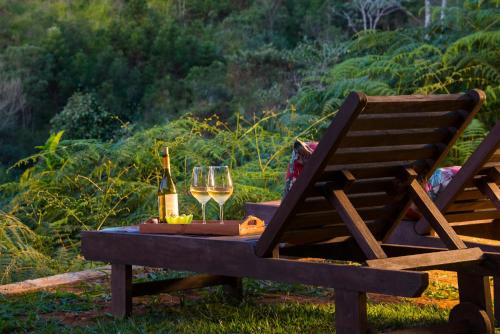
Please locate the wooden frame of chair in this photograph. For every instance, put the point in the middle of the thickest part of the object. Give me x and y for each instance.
(332, 212)
(471, 201)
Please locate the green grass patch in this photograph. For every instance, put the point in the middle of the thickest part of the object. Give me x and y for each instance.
(439, 290)
(38, 313)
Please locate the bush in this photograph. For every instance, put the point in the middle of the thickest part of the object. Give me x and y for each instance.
(84, 118)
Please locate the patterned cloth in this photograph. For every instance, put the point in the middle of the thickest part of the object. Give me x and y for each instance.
(439, 180)
(302, 151)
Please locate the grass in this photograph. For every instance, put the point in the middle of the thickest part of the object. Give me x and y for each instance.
(267, 308)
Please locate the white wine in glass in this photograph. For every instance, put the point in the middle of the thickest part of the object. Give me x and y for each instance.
(220, 186)
(199, 188)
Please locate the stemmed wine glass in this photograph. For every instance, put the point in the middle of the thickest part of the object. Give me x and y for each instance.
(220, 186)
(199, 188)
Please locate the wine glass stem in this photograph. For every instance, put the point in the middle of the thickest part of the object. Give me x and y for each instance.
(203, 212)
(221, 209)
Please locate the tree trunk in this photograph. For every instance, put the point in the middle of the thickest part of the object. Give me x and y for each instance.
(427, 20)
(443, 10)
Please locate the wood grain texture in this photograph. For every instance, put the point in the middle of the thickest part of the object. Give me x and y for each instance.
(350, 312)
(475, 289)
(355, 224)
(179, 284)
(348, 112)
(212, 227)
(491, 190)
(435, 217)
(429, 261)
(234, 256)
(475, 164)
(417, 103)
(121, 290)
(389, 137)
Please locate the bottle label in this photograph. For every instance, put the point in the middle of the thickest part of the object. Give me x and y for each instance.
(171, 205)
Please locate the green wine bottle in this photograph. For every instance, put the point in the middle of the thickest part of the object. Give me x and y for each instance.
(167, 194)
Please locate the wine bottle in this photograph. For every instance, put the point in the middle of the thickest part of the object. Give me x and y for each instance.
(167, 194)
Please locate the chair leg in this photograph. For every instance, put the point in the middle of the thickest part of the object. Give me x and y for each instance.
(476, 290)
(350, 312)
(496, 299)
(121, 290)
(234, 288)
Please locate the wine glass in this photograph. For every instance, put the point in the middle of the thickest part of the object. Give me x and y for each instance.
(220, 186)
(199, 188)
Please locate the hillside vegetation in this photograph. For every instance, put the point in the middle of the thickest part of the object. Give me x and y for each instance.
(99, 86)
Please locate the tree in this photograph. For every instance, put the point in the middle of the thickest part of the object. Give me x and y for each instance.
(371, 11)
(443, 10)
(427, 18)
(12, 102)
(83, 117)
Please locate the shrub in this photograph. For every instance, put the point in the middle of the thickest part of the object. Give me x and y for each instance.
(84, 118)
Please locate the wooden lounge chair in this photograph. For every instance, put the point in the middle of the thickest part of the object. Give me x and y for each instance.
(351, 194)
(470, 202)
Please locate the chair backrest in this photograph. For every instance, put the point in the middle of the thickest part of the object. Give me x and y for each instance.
(462, 201)
(374, 138)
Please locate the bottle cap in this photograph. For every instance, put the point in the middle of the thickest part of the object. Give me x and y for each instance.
(164, 151)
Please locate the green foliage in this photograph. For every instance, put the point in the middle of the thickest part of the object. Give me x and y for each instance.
(75, 185)
(83, 117)
(122, 78)
(467, 143)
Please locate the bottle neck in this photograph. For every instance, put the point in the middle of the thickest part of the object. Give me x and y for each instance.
(166, 163)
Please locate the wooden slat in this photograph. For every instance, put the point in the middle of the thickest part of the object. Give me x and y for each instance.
(339, 248)
(471, 216)
(395, 137)
(489, 165)
(362, 186)
(435, 217)
(360, 232)
(374, 170)
(495, 158)
(178, 284)
(469, 194)
(417, 103)
(493, 173)
(427, 261)
(318, 203)
(327, 232)
(485, 230)
(324, 218)
(383, 154)
(491, 191)
(469, 206)
(407, 121)
(402, 250)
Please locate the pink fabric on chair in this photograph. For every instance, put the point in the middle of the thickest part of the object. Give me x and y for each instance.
(301, 152)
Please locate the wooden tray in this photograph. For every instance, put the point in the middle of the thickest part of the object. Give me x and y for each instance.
(212, 227)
